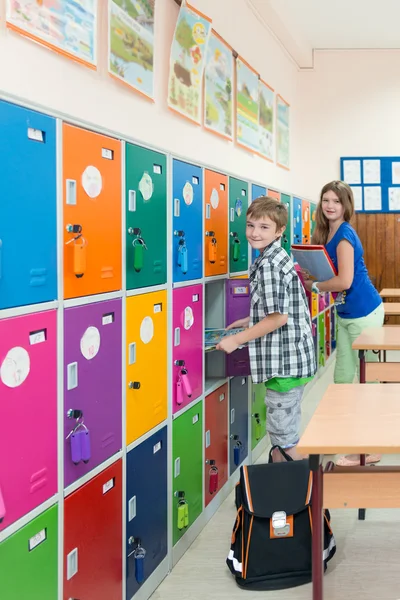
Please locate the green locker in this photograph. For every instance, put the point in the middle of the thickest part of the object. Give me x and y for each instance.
(146, 217)
(187, 449)
(28, 560)
(238, 245)
(313, 210)
(321, 339)
(258, 414)
(287, 236)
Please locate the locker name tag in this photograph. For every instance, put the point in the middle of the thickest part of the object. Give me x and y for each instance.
(243, 192)
(157, 447)
(108, 154)
(158, 308)
(35, 134)
(37, 539)
(241, 290)
(37, 337)
(195, 180)
(195, 419)
(195, 298)
(222, 186)
(157, 169)
(107, 319)
(108, 486)
(222, 397)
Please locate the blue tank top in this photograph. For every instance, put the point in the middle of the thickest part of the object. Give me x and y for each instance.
(361, 298)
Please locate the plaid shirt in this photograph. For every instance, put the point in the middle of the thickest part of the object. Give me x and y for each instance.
(276, 288)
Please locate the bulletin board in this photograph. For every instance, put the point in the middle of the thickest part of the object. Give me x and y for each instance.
(375, 181)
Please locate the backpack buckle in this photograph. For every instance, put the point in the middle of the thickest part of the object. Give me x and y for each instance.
(280, 526)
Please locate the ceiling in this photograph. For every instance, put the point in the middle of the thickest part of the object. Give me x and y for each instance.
(302, 26)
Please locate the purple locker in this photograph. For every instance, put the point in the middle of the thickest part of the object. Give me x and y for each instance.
(92, 386)
(237, 306)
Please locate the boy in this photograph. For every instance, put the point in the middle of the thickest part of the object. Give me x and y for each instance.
(278, 330)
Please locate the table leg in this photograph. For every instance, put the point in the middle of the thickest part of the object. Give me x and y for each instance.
(361, 356)
(361, 511)
(317, 524)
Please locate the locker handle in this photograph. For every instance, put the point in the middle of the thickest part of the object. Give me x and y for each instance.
(232, 215)
(208, 211)
(132, 508)
(132, 353)
(232, 416)
(72, 376)
(208, 438)
(2, 507)
(132, 201)
(177, 207)
(177, 468)
(72, 563)
(1, 246)
(177, 336)
(70, 192)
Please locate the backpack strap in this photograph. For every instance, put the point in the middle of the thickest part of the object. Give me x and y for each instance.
(281, 450)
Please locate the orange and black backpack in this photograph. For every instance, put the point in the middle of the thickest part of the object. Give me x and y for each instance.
(271, 539)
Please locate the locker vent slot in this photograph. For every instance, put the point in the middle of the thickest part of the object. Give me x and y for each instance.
(132, 200)
(177, 336)
(132, 508)
(108, 318)
(222, 187)
(132, 353)
(157, 169)
(208, 438)
(107, 153)
(195, 180)
(37, 539)
(108, 485)
(177, 471)
(72, 376)
(37, 337)
(72, 563)
(37, 135)
(70, 192)
(157, 447)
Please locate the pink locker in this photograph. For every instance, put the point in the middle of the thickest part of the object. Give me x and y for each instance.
(28, 408)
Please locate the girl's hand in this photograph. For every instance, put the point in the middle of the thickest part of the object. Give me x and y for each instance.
(228, 344)
(308, 285)
(306, 274)
(241, 323)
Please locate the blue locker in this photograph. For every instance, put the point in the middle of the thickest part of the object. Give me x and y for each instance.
(297, 221)
(28, 193)
(187, 222)
(146, 506)
(256, 192)
(238, 422)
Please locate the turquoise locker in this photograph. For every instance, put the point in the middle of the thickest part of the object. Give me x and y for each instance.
(297, 225)
(238, 245)
(187, 451)
(258, 414)
(256, 192)
(146, 217)
(287, 236)
(321, 339)
(28, 560)
(313, 214)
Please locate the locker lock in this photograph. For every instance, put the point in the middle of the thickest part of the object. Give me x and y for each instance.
(74, 228)
(179, 233)
(132, 541)
(234, 234)
(135, 231)
(234, 437)
(210, 233)
(210, 462)
(180, 495)
(134, 385)
(74, 414)
(179, 363)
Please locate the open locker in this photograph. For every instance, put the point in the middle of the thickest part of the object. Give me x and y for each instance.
(238, 421)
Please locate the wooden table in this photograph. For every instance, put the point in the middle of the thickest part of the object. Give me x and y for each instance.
(351, 418)
(390, 293)
(379, 339)
(392, 309)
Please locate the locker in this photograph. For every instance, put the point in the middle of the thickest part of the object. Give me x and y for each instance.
(216, 209)
(187, 221)
(146, 508)
(187, 354)
(93, 538)
(237, 303)
(28, 408)
(258, 414)
(256, 192)
(314, 305)
(333, 329)
(238, 422)
(313, 214)
(92, 212)
(146, 360)
(28, 560)
(28, 247)
(287, 236)
(238, 245)
(306, 229)
(328, 333)
(321, 340)
(92, 385)
(315, 338)
(321, 302)
(216, 443)
(146, 217)
(187, 452)
(297, 227)
(274, 194)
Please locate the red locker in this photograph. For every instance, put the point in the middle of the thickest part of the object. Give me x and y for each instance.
(328, 333)
(216, 442)
(93, 538)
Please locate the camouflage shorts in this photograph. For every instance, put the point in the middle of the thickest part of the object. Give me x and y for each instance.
(284, 416)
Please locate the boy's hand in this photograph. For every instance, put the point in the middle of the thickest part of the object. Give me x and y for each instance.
(308, 283)
(229, 344)
(241, 323)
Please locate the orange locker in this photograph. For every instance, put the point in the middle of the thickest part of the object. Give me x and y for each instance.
(306, 221)
(146, 359)
(314, 305)
(92, 212)
(216, 224)
(274, 194)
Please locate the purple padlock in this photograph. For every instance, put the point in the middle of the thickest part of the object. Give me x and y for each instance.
(76, 448)
(85, 445)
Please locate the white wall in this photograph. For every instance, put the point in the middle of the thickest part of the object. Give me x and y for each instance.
(348, 106)
(35, 73)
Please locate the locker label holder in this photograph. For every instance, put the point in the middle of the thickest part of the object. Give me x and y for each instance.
(37, 337)
(108, 485)
(37, 135)
(37, 539)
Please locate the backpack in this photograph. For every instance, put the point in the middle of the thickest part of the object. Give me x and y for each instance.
(272, 535)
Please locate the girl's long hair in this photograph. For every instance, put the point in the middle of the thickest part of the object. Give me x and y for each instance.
(345, 195)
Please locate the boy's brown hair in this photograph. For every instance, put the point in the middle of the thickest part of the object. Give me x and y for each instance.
(265, 206)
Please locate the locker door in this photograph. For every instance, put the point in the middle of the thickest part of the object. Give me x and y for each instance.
(146, 358)
(92, 385)
(92, 203)
(297, 227)
(328, 333)
(313, 211)
(187, 345)
(187, 452)
(146, 217)
(238, 245)
(315, 338)
(237, 294)
(314, 305)
(187, 221)
(238, 421)
(287, 236)
(306, 230)
(256, 192)
(258, 414)
(146, 506)
(216, 442)
(29, 562)
(28, 408)
(28, 248)
(216, 222)
(321, 339)
(274, 194)
(333, 329)
(93, 538)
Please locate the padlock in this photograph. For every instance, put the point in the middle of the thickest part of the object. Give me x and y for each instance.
(186, 515)
(179, 392)
(138, 254)
(236, 249)
(183, 258)
(2, 507)
(140, 554)
(181, 515)
(213, 483)
(186, 383)
(85, 446)
(79, 257)
(258, 429)
(212, 250)
(236, 454)
(76, 447)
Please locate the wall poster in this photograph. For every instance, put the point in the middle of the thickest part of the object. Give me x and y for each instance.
(282, 133)
(266, 120)
(247, 106)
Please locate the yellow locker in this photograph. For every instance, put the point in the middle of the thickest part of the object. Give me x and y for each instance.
(146, 360)
(314, 305)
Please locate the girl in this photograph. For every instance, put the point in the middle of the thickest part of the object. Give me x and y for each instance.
(358, 303)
